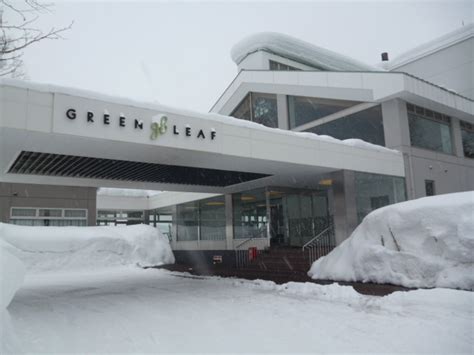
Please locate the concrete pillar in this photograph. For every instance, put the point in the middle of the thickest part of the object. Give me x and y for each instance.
(229, 222)
(344, 206)
(397, 136)
(456, 137)
(395, 124)
(174, 227)
(282, 109)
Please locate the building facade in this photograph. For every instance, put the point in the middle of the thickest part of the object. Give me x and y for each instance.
(318, 141)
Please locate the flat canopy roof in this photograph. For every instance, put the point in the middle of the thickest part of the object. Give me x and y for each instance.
(54, 135)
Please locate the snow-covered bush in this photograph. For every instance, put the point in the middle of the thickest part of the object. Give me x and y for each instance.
(427, 242)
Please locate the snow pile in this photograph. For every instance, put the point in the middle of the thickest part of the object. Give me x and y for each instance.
(12, 273)
(330, 293)
(67, 248)
(297, 50)
(427, 242)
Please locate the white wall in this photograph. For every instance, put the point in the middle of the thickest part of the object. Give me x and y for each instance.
(451, 67)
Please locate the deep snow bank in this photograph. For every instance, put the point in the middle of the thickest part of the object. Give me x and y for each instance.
(12, 273)
(427, 242)
(65, 248)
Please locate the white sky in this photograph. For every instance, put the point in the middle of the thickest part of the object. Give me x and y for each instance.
(178, 53)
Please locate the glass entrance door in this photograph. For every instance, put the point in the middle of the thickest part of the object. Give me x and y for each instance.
(306, 214)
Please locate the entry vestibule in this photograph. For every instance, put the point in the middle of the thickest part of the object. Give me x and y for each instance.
(289, 217)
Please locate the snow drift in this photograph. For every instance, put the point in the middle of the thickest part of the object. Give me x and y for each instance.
(427, 242)
(44, 249)
(12, 273)
(298, 50)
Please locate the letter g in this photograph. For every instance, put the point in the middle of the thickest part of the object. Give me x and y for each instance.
(71, 113)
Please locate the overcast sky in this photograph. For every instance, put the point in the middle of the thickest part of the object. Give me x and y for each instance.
(178, 53)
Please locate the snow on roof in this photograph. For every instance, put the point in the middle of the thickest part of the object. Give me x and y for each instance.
(111, 191)
(183, 112)
(432, 46)
(297, 50)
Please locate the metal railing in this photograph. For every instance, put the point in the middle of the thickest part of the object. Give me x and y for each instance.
(320, 245)
(242, 255)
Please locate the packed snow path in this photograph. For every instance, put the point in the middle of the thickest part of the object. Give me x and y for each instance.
(134, 310)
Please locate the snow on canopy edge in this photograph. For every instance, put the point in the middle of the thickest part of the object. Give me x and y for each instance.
(112, 191)
(94, 95)
(297, 50)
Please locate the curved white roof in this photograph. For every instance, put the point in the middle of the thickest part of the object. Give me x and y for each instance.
(297, 50)
(432, 46)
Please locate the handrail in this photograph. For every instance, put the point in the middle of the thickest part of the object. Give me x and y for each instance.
(315, 238)
(255, 236)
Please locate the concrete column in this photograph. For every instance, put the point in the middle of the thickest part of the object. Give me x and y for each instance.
(397, 136)
(282, 109)
(457, 137)
(350, 200)
(269, 215)
(344, 206)
(229, 222)
(174, 227)
(5, 203)
(395, 124)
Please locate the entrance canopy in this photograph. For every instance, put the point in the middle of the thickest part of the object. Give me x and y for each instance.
(52, 135)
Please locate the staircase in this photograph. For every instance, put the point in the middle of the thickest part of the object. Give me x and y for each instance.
(280, 265)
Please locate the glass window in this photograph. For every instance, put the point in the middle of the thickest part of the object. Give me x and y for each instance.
(212, 218)
(23, 212)
(264, 109)
(243, 109)
(48, 217)
(259, 108)
(49, 212)
(429, 187)
(250, 214)
(366, 125)
(280, 66)
(467, 132)
(75, 213)
(429, 130)
(374, 191)
(307, 109)
(134, 214)
(188, 221)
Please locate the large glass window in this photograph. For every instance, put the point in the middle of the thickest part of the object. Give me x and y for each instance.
(48, 217)
(429, 129)
(467, 132)
(188, 221)
(374, 191)
(202, 220)
(366, 125)
(250, 214)
(302, 110)
(162, 218)
(212, 218)
(258, 107)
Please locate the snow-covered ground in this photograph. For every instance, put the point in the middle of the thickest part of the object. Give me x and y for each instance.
(428, 242)
(130, 310)
(84, 292)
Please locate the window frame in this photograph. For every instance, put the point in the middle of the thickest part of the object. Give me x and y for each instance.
(432, 182)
